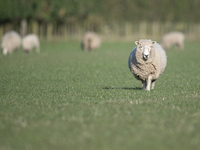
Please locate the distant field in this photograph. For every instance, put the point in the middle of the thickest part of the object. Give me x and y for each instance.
(67, 99)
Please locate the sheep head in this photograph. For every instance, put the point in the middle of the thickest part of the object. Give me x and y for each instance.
(145, 48)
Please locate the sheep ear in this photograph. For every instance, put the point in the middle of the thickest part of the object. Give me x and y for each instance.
(153, 42)
(136, 42)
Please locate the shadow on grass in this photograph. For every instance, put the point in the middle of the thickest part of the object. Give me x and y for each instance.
(123, 88)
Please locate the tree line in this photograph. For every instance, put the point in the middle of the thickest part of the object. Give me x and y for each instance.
(63, 11)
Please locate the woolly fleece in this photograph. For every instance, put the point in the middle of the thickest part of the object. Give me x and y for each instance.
(29, 42)
(173, 38)
(153, 66)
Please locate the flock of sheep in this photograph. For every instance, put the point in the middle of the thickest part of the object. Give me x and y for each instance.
(147, 61)
(92, 41)
(12, 41)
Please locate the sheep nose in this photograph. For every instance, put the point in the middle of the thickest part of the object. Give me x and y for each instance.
(146, 56)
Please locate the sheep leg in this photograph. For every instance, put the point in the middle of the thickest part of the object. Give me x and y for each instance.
(182, 46)
(153, 84)
(177, 46)
(144, 84)
(37, 49)
(85, 48)
(5, 51)
(149, 83)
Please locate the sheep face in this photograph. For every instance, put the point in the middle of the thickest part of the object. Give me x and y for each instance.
(145, 48)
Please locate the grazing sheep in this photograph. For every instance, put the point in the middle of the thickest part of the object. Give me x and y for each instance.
(173, 38)
(147, 61)
(11, 41)
(90, 41)
(29, 42)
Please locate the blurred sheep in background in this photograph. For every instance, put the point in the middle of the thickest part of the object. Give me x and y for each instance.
(29, 42)
(90, 41)
(173, 38)
(11, 41)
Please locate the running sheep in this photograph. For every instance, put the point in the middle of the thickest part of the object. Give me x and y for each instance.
(147, 61)
(173, 38)
(29, 42)
(90, 41)
(11, 41)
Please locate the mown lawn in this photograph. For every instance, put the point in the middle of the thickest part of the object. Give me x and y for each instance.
(67, 99)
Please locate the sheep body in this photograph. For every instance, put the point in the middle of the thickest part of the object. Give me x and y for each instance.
(11, 41)
(173, 38)
(90, 41)
(147, 61)
(29, 42)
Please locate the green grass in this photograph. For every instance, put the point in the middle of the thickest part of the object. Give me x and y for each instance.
(64, 98)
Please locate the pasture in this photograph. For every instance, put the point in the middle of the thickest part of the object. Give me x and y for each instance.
(64, 98)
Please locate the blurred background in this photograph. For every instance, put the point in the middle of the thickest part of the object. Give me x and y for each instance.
(113, 20)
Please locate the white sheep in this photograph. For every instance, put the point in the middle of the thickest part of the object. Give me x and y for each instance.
(90, 41)
(173, 38)
(11, 41)
(29, 42)
(147, 61)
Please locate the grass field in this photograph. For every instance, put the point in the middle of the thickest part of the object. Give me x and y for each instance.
(67, 99)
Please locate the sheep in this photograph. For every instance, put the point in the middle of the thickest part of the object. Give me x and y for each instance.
(10, 41)
(90, 41)
(147, 61)
(173, 38)
(29, 42)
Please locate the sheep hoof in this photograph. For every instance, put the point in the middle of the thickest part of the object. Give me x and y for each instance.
(148, 90)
